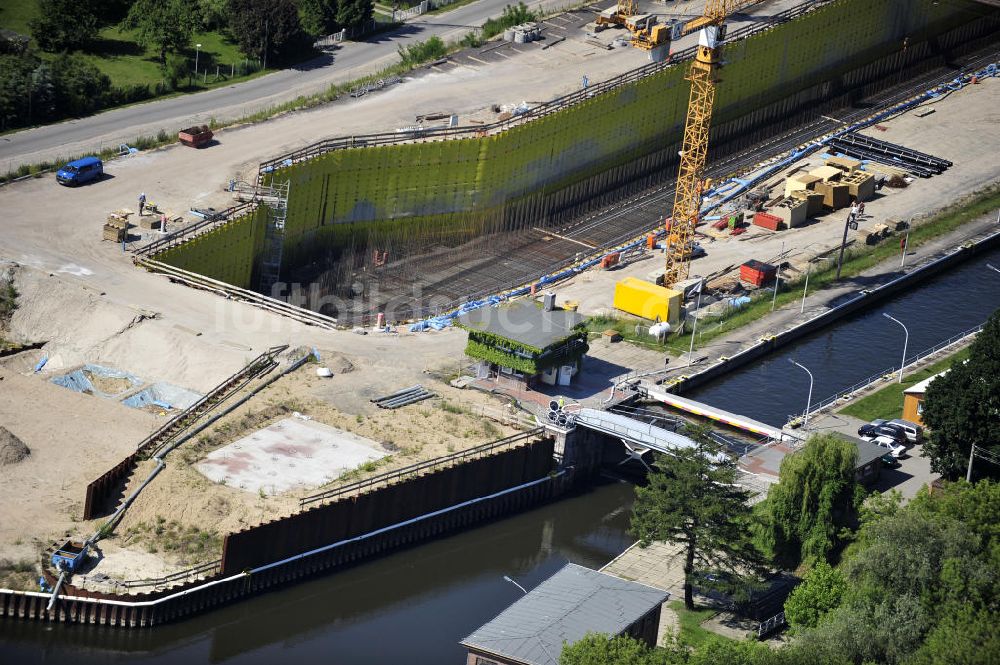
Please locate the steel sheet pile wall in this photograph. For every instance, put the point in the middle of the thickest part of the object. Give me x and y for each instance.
(227, 253)
(356, 206)
(354, 516)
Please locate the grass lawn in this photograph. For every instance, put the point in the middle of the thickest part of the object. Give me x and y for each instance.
(691, 633)
(116, 53)
(887, 403)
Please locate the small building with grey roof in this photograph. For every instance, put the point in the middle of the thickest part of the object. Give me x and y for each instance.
(525, 342)
(562, 610)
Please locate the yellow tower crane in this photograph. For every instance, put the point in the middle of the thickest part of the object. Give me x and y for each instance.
(694, 149)
(618, 14)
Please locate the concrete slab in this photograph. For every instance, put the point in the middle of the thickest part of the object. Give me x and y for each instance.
(288, 454)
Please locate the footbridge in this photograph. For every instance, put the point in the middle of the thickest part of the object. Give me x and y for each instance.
(657, 393)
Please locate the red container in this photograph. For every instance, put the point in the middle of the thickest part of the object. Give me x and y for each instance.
(766, 221)
(757, 273)
(611, 260)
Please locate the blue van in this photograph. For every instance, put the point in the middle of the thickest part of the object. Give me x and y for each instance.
(80, 171)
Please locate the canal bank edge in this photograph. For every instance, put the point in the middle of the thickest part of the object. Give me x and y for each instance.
(863, 298)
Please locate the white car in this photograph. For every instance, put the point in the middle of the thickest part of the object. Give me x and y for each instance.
(895, 449)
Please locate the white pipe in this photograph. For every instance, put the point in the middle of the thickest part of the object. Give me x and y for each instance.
(179, 594)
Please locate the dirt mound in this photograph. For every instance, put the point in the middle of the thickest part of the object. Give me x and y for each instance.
(338, 363)
(12, 449)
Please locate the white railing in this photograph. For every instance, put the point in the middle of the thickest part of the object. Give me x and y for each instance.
(886, 375)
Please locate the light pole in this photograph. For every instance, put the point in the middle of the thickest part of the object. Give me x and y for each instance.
(850, 223)
(806, 287)
(197, 51)
(805, 418)
(694, 327)
(777, 276)
(511, 580)
(992, 267)
(906, 340)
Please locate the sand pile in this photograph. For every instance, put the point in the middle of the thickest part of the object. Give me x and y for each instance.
(12, 449)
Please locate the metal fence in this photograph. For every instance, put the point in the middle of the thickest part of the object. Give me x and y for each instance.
(885, 375)
(542, 110)
(204, 570)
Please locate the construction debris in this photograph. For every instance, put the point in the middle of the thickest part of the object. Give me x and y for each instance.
(404, 397)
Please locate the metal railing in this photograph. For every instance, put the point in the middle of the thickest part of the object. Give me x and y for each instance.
(389, 477)
(542, 110)
(885, 375)
(769, 626)
(191, 574)
(196, 229)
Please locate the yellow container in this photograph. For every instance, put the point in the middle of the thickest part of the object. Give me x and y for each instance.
(647, 300)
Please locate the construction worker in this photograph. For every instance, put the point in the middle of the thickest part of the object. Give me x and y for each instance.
(142, 202)
(163, 222)
(562, 402)
(861, 208)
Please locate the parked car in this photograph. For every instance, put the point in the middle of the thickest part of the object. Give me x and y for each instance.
(890, 461)
(913, 431)
(895, 449)
(882, 428)
(80, 171)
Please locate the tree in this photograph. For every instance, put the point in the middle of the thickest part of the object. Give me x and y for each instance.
(63, 25)
(821, 591)
(318, 17)
(166, 25)
(264, 28)
(692, 499)
(813, 500)
(15, 82)
(962, 408)
(964, 636)
(355, 15)
(80, 87)
(598, 649)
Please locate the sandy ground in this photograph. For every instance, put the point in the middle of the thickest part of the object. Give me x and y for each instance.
(182, 493)
(73, 439)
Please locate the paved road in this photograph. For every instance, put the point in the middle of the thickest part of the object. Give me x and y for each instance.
(353, 60)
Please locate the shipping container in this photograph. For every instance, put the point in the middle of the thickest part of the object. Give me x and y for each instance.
(647, 300)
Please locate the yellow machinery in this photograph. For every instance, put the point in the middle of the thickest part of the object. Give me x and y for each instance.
(647, 33)
(687, 196)
(617, 15)
(648, 301)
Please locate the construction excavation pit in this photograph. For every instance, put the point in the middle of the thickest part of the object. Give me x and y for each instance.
(304, 374)
(413, 224)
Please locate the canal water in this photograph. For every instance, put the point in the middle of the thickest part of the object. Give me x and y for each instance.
(415, 605)
(772, 388)
(410, 607)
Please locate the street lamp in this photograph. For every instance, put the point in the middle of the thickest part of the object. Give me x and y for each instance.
(992, 267)
(906, 340)
(777, 276)
(806, 287)
(197, 50)
(805, 417)
(511, 580)
(694, 327)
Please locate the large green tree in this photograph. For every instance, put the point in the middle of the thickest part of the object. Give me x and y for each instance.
(318, 17)
(962, 408)
(812, 502)
(166, 25)
(912, 578)
(821, 591)
(265, 29)
(355, 15)
(599, 649)
(692, 499)
(63, 25)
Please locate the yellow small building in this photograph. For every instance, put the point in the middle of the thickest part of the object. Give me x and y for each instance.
(913, 400)
(648, 301)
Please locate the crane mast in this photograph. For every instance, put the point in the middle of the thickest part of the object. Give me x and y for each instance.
(694, 148)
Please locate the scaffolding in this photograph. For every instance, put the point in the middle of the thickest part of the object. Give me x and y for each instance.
(274, 237)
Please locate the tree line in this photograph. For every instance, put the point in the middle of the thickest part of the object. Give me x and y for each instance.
(44, 78)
